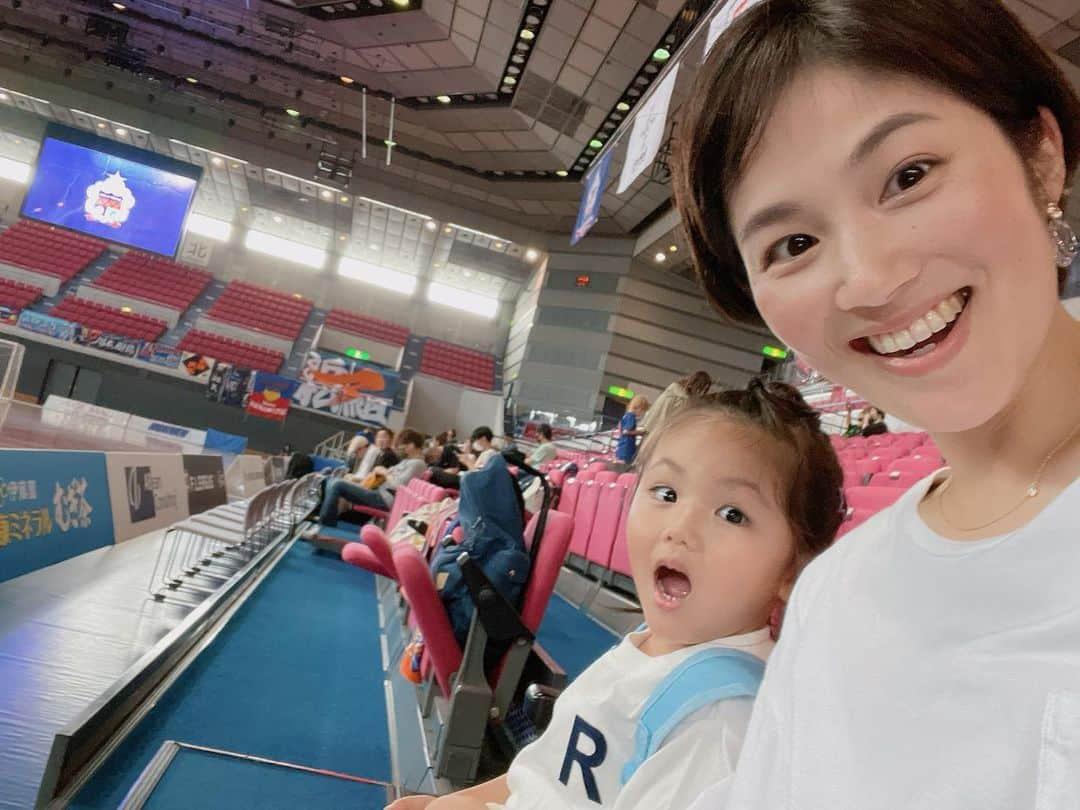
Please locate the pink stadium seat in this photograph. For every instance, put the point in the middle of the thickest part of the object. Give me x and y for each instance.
(16, 295)
(570, 492)
(458, 364)
(895, 478)
(261, 309)
(628, 480)
(244, 355)
(584, 515)
(154, 279)
(620, 554)
(366, 326)
(108, 319)
(606, 477)
(867, 467)
(919, 467)
(613, 499)
(419, 591)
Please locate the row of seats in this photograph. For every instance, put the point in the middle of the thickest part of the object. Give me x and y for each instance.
(599, 501)
(458, 364)
(368, 327)
(160, 281)
(108, 319)
(49, 250)
(228, 350)
(261, 309)
(16, 295)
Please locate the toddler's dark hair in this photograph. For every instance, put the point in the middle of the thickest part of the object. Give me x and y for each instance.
(812, 497)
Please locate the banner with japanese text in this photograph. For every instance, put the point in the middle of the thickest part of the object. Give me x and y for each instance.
(53, 505)
(346, 388)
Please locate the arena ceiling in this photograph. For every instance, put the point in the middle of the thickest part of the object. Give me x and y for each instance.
(499, 105)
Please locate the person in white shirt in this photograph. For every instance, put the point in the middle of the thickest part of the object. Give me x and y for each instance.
(879, 183)
(713, 548)
(482, 448)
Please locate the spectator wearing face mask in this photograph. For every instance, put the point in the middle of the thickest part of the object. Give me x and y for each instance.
(483, 450)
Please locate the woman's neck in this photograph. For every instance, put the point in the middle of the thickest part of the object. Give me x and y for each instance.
(993, 465)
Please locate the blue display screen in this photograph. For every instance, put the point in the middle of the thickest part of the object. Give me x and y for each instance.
(111, 191)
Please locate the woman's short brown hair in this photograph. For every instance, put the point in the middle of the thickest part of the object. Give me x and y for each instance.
(975, 49)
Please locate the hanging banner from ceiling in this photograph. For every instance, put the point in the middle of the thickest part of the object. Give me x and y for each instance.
(589, 212)
(723, 19)
(648, 131)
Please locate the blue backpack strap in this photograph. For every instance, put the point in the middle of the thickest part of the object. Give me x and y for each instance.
(709, 676)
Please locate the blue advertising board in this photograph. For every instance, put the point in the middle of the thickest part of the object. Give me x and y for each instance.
(53, 505)
(110, 190)
(46, 325)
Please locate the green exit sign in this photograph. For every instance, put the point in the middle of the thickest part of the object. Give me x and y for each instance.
(774, 352)
(357, 354)
(623, 393)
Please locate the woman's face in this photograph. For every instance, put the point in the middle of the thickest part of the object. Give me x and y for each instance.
(891, 237)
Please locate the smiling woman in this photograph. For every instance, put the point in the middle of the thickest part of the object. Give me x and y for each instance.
(881, 184)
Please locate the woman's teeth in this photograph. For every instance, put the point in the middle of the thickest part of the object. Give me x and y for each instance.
(921, 328)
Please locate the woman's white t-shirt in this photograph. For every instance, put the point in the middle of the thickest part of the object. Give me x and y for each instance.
(920, 673)
(577, 762)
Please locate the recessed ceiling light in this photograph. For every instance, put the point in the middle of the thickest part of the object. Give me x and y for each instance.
(101, 125)
(447, 229)
(342, 238)
(661, 54)
(289, 111)
(673, 248)
(5, 97)
(277, 219)
(401, 3)
(508, 80)
(661, 257)
(243, 208)
(595, 143)
(622, 106)
(192, 80)
(430, 225)
(125, 309)
(437, 264)
(119, 6)
(531, 255)
(347, 80)
(527, 35)
(344, 199)
(443, 99)
(498, 245)
(561, 172)
(120, 132)
(373, 246)
(327, 194)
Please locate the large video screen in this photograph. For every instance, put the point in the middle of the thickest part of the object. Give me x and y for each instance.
(111, 190)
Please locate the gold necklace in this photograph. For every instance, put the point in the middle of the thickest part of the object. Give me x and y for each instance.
(1032, 490)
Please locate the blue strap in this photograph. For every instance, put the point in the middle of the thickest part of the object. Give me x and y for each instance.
(707, 677)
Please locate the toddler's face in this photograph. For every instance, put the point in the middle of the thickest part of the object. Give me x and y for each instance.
(709, 542)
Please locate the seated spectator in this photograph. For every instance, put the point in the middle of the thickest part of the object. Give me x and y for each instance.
(544, 451)
(873, 422)
(448, 458)
(382, 497)
(482, 446)
(380, 454)
(355, 451)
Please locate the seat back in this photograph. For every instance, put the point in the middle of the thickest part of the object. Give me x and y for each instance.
(569, 498)
(418, 588)
(584, 515)
(919, 467)
(628, 480)
(586, 475)
(597, 466)
(620, 554)
(546, 566)
(606, 477)
(609, 508)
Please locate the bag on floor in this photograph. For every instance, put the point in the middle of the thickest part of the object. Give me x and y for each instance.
(492, 520)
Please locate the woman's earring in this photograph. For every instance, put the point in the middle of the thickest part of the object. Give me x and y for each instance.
(1063, 236)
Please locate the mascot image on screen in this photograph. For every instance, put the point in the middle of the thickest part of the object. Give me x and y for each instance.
(109, 201)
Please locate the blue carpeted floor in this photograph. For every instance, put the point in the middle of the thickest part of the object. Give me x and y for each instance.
(295, 676)
(573, 638)
(227, 783)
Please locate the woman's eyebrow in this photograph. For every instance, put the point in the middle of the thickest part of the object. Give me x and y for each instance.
(876, 136)
(778, 212)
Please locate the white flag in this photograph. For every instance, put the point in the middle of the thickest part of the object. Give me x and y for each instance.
(648, 131)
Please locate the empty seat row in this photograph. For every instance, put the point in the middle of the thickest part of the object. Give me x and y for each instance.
(366, 326)
(160, 281)
(258, 308)
(108, 319)
(45, 249)
(16, 295)
(228, 350)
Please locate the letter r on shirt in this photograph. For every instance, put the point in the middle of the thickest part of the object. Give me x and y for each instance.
(587, 761)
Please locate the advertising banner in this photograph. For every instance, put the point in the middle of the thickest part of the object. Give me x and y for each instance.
(53, 505)
(205, 482)
(228, 384)
(165, 430)
(106, 342)
(197, 366)
(9, 316)
(270, 395)
(647, 134)
(159, 355)
(46, 325)
(147, 491)
(346, 388)
(589, 212)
